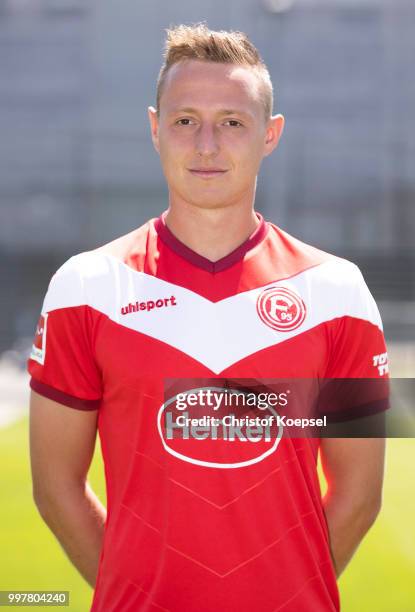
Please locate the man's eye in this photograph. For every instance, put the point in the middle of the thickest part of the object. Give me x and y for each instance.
(234, 123)
(184, 121)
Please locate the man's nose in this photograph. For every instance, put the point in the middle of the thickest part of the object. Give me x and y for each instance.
(207, 140)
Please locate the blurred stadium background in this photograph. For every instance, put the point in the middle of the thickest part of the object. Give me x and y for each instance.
(77, 169)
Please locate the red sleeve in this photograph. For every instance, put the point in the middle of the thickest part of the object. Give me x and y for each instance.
(62, 364)
(357, 376)
(358, 350)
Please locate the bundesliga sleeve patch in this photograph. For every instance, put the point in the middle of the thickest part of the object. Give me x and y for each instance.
(38, 351)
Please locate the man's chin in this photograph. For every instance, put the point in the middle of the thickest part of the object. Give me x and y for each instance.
(211, 202)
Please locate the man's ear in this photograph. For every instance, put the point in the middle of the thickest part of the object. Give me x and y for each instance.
(274, 131)
(154, 127)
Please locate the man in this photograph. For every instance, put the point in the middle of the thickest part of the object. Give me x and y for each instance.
(208, 289)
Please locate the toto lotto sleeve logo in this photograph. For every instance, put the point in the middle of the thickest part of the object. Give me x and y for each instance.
(281, 309)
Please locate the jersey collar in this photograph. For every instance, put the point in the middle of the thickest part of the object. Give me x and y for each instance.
(202, 262)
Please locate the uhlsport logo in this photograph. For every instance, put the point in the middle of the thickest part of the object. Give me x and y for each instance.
(281, 309)
(149, 305)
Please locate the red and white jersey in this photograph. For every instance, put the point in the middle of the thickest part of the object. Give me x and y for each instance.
(187, 535)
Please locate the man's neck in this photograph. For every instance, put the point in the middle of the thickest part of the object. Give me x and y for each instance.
(212, 233)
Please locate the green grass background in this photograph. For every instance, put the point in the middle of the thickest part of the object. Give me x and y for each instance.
(381, 577)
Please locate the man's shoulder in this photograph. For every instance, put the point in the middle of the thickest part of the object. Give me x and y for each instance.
(135, 243)
(329, 283)
(299, 257)
(130, 247)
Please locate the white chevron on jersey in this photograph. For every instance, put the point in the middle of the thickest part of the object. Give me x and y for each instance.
(215, 334)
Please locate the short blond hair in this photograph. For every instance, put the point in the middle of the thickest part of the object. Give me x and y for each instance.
(198, 42)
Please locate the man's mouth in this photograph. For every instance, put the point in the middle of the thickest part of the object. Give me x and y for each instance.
(207, 172)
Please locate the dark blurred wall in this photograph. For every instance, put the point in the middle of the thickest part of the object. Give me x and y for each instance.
(77, 166)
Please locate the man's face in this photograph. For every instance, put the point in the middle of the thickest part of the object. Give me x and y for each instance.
(211, 133)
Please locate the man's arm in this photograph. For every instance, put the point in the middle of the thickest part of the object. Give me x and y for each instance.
(354, 471)
(62, 442)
